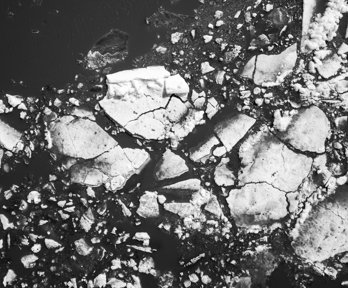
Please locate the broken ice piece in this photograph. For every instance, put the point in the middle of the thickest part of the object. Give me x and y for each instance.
(147, 266)
(9, 278)
(110, 49)
(306, 130)
(100, 281)
(176, 85)
(203, 150)
(113, 168)
(330, 66)
(34, 197)
(185, 187)
(232, 129)
(257, 204)
(80, 138)
(87, 220)
(207, 38)
(176, 37)
(142, 237)
(52, 244)
(213, 207)
(170, 166)
(9, 137)
(326, 224)
(5, 222)
(212, 107)
(82, 247)
(14, 100)
(148, 207)
(223, 176)
(271, 70)
(28, 261)
(183, 210)
(206, 68)
(220, 77)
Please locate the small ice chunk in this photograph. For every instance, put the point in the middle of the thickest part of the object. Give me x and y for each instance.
(82, 247)
(148, 207)
(206, 68)
(170, 166)
(28, 261)
(9, 278)
(52, 244)
(176, 37)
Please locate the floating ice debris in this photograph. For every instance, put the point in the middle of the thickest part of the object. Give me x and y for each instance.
(82, 247)
(265, 159)
(148, 207)
(232, 129)
(9, 278)
(223, 176)
(52, 244)
(170, 166)
(271, 70)
(28, 261)
(109, 164)
(112, 168)
(9, 137)
(80, 138)
(112, 48)
(176, 37)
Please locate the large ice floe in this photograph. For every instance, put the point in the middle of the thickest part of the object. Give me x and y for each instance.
(99, 159)
(269, 170)
(150, 103)
(324, 233)
(266, 159)
(305, 130)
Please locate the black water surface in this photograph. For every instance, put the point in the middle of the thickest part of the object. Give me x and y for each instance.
(41, 41)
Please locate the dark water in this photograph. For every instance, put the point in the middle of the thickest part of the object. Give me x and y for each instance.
(41, 40)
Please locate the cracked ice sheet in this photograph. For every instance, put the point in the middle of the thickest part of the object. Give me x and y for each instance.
(141, 101)
(265, 159)
(306, 129)
(326, 224)
(227, 134)
(257, 204)
(79, 138)
(231, 130)
(113, 168)
(104, 161)
(270, 70)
